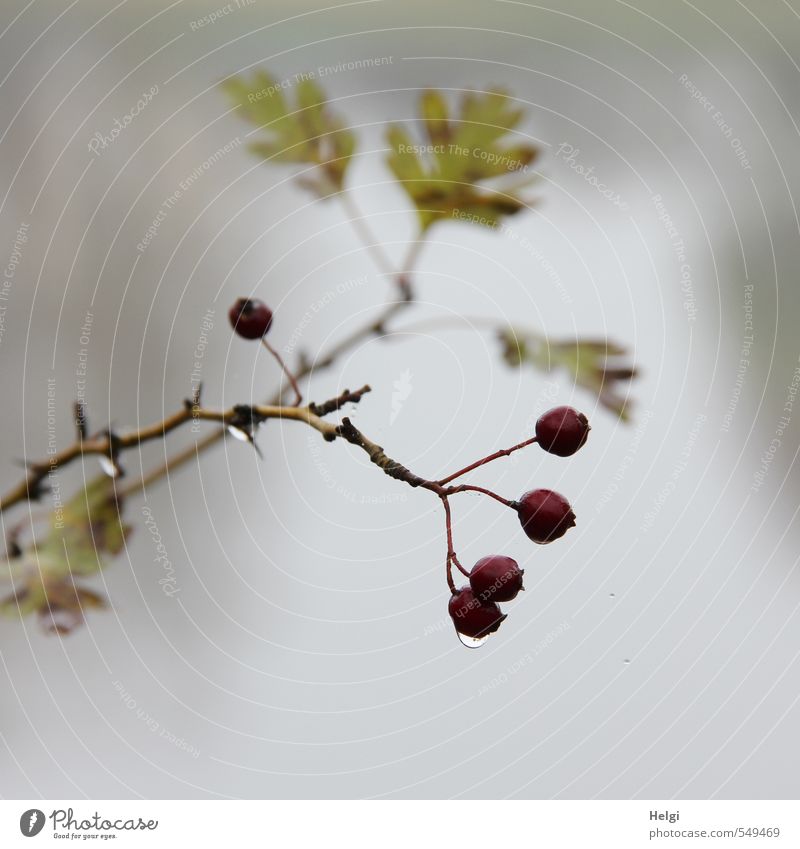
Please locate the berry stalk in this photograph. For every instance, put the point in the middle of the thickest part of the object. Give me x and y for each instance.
(298, 395)
(478, 463)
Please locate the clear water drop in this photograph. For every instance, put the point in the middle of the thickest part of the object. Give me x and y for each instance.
(109, 466)
(627, 660)
(238, 433)
(612, 595)
(472, 642)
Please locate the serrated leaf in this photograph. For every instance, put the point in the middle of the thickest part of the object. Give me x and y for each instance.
(305, 132)
(448, 175)
(591, 363)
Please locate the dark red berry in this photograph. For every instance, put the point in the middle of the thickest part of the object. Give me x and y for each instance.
(562, 431)
(496, 578)
(545, 515)
(472, 617)
(250, 318)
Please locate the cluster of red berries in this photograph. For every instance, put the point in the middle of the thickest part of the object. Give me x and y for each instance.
(545, 516)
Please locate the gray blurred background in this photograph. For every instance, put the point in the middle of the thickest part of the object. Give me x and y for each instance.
(307, 651)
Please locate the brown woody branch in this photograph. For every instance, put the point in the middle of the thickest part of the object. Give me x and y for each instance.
(111, 445)
(245, 418)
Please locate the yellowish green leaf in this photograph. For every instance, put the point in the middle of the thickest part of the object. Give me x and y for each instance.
(303, 132)
(466, 168)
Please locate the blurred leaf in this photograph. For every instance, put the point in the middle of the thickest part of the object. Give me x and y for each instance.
(89, 526)
(83, 535)
(59, 603)
(446, 175)
(593, 364)
(305, 132)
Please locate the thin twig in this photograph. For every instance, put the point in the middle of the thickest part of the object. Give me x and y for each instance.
(497, 454)
(450, 552)
(298, 395)
(361, 226)
(377, 327)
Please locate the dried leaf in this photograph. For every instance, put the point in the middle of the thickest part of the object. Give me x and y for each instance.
(591, 363)
(83, 535)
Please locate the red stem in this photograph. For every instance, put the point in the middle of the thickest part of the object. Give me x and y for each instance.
(289, 375)
(468, 488)
(504, 453)
(451, 554)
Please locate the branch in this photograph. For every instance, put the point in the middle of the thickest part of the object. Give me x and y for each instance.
(111, 445)
(348, 431)
(377, 327)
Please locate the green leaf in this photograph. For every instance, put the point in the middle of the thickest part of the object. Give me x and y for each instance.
(593, 364)
(465, 168)
(89, 526)
(83, 535)
(305, 132)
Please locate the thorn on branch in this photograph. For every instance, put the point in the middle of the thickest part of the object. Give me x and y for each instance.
(347, 397)
(34, 489)
(81, 424)
(193, 403)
